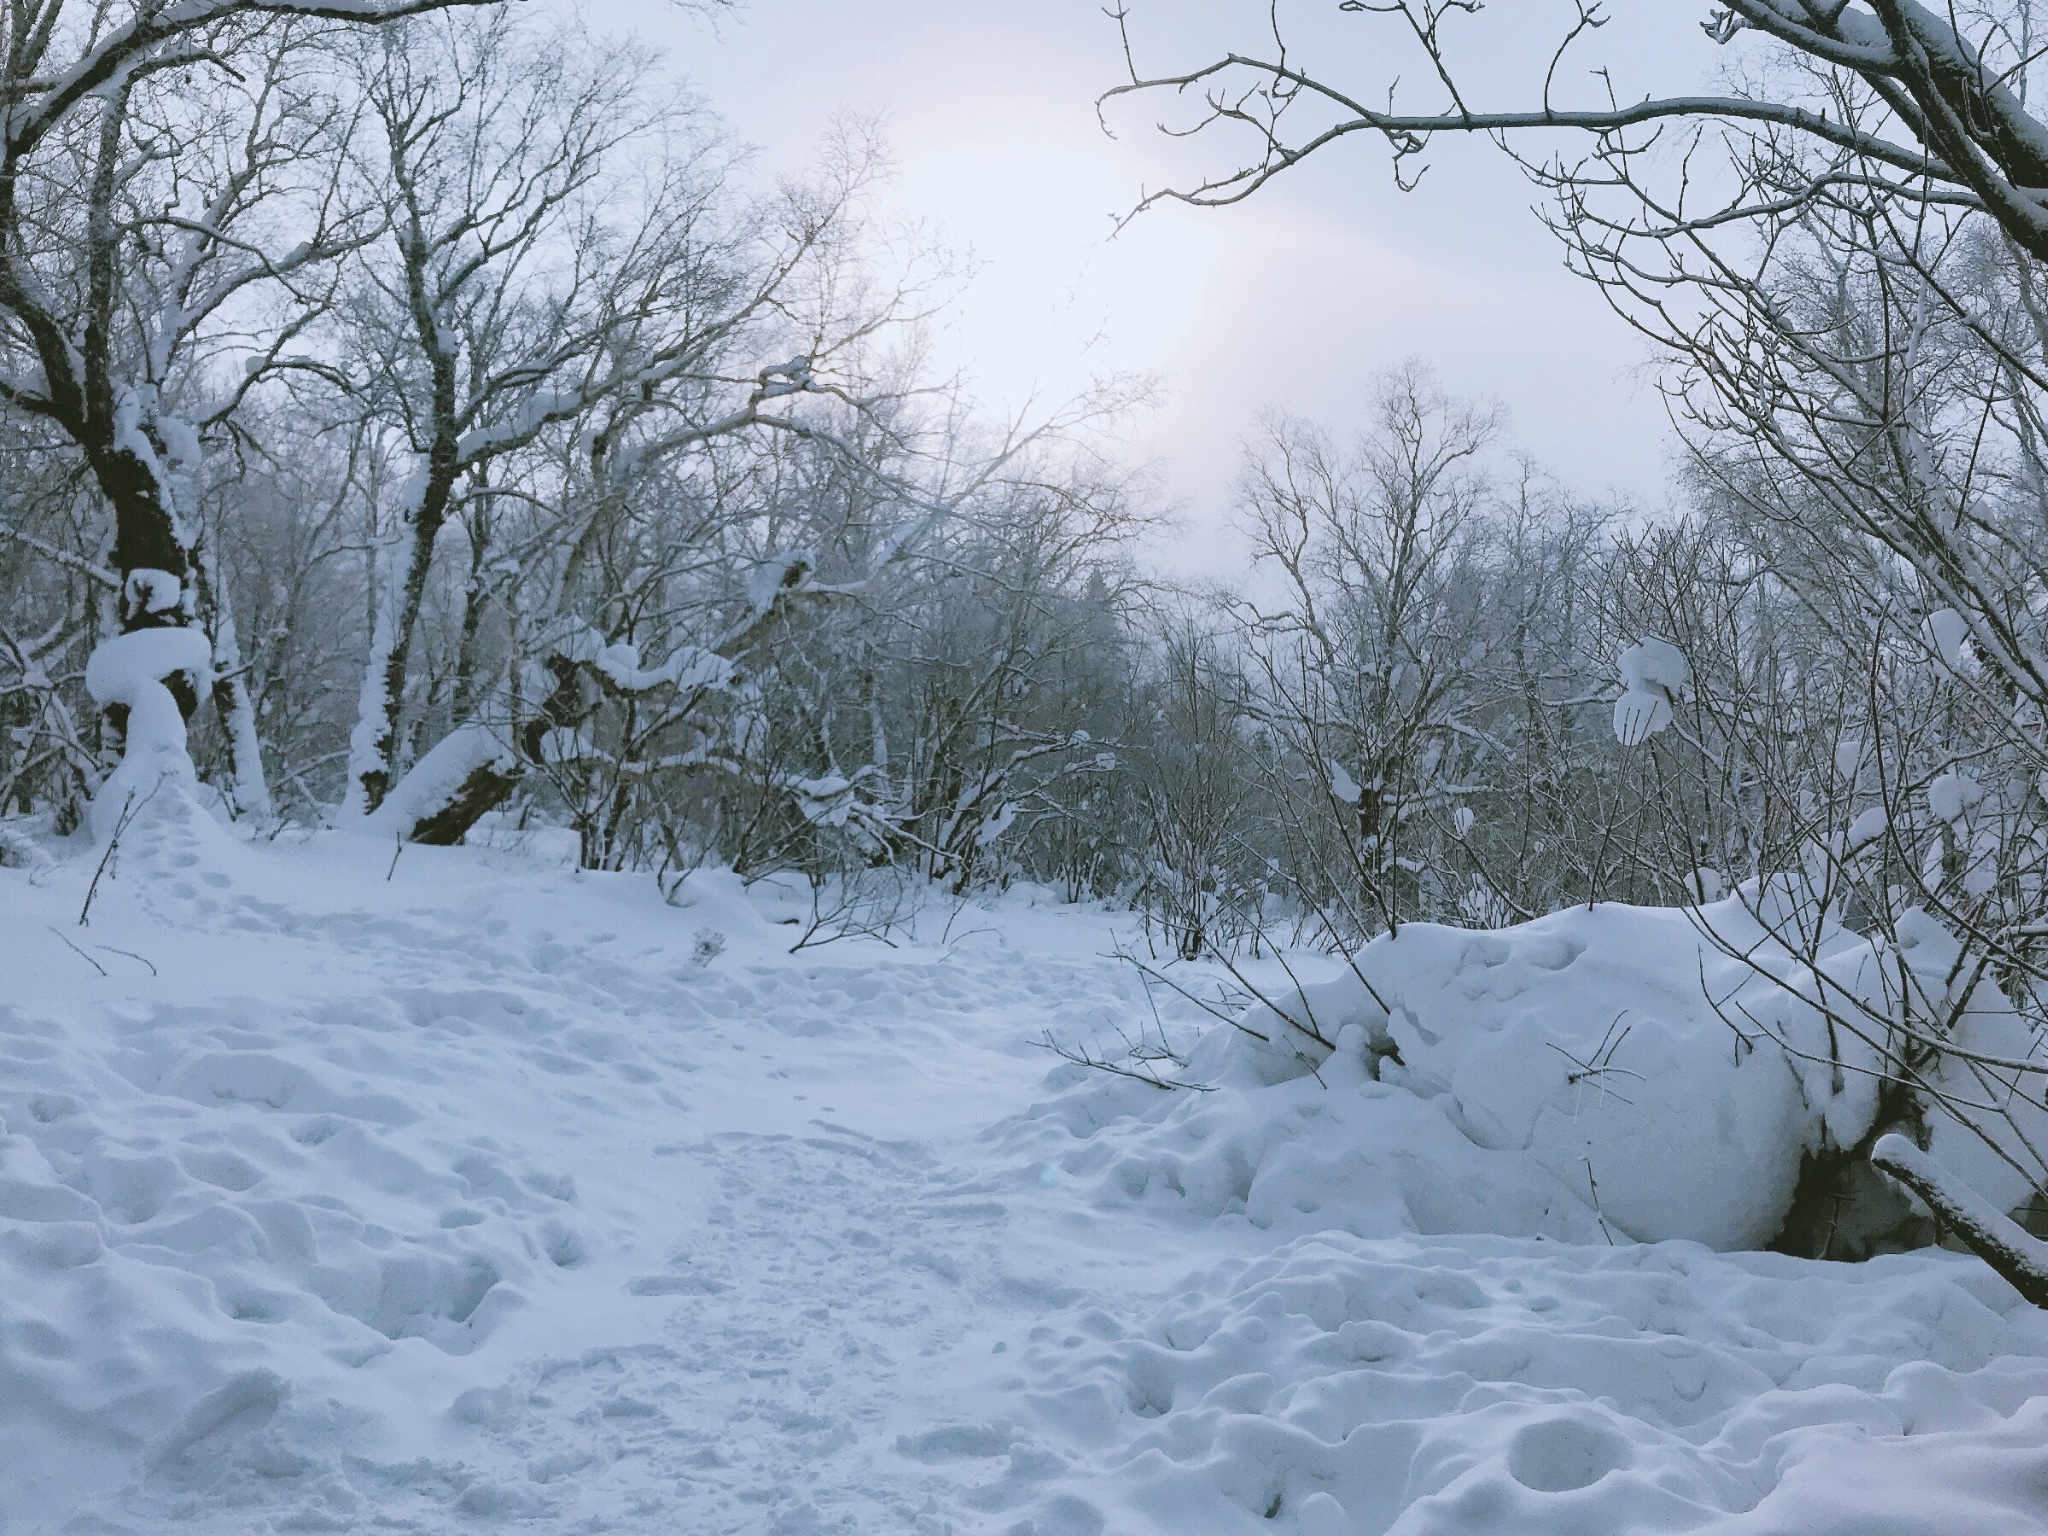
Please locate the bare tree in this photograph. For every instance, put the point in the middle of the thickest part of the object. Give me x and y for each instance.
(574, 309)
(528, 270)
(1202, 877)
(167, 215)
(1940, 116)
(902, 699)
(51, 529)
(1364, 657)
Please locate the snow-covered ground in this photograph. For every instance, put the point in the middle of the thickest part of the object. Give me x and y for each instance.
(465, 1192)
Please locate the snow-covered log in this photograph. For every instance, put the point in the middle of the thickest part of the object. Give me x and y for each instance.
(1986, 1231)
(468, 771)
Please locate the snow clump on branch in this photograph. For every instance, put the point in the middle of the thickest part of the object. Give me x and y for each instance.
(688, 667)
(1947, 636)
(1952, 795)
(1652, 674)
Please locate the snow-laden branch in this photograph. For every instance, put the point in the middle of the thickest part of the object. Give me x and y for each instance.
(688, 667)
(1990, 1234)
(97, 574)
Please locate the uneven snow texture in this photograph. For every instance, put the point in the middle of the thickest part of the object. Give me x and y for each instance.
(489, 1193)
(1470, 1385)
(467, 1193)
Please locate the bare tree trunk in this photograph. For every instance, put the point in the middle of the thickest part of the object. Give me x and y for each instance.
(248, 785)
(476, 595)
(384, 689)
(156, 237)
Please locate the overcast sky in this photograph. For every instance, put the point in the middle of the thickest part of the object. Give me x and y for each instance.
(1292, 299)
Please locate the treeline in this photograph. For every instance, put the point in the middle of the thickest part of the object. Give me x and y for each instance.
(525, 457)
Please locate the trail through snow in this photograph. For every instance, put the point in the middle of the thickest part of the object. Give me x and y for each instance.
(458, 1192)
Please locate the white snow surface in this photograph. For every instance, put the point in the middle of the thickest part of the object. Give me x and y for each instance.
(468, 1193)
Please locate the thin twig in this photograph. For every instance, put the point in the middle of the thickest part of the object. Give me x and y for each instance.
(88, 959)
(1083, 1058)
(128, 953)
(129, 811)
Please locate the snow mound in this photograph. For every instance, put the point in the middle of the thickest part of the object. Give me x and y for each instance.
(1598, 1072)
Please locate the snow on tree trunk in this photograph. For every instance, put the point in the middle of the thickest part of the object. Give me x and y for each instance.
(1994, 1237)
(249, 786)
(473, 768)
(128, 673)
(375, 741)
(153, 547)
(368, 768)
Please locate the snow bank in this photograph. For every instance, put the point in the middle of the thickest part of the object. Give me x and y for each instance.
(1603, 1071)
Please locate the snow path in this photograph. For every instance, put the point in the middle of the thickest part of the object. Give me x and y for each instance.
(487, 1196)
(634, 1246)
